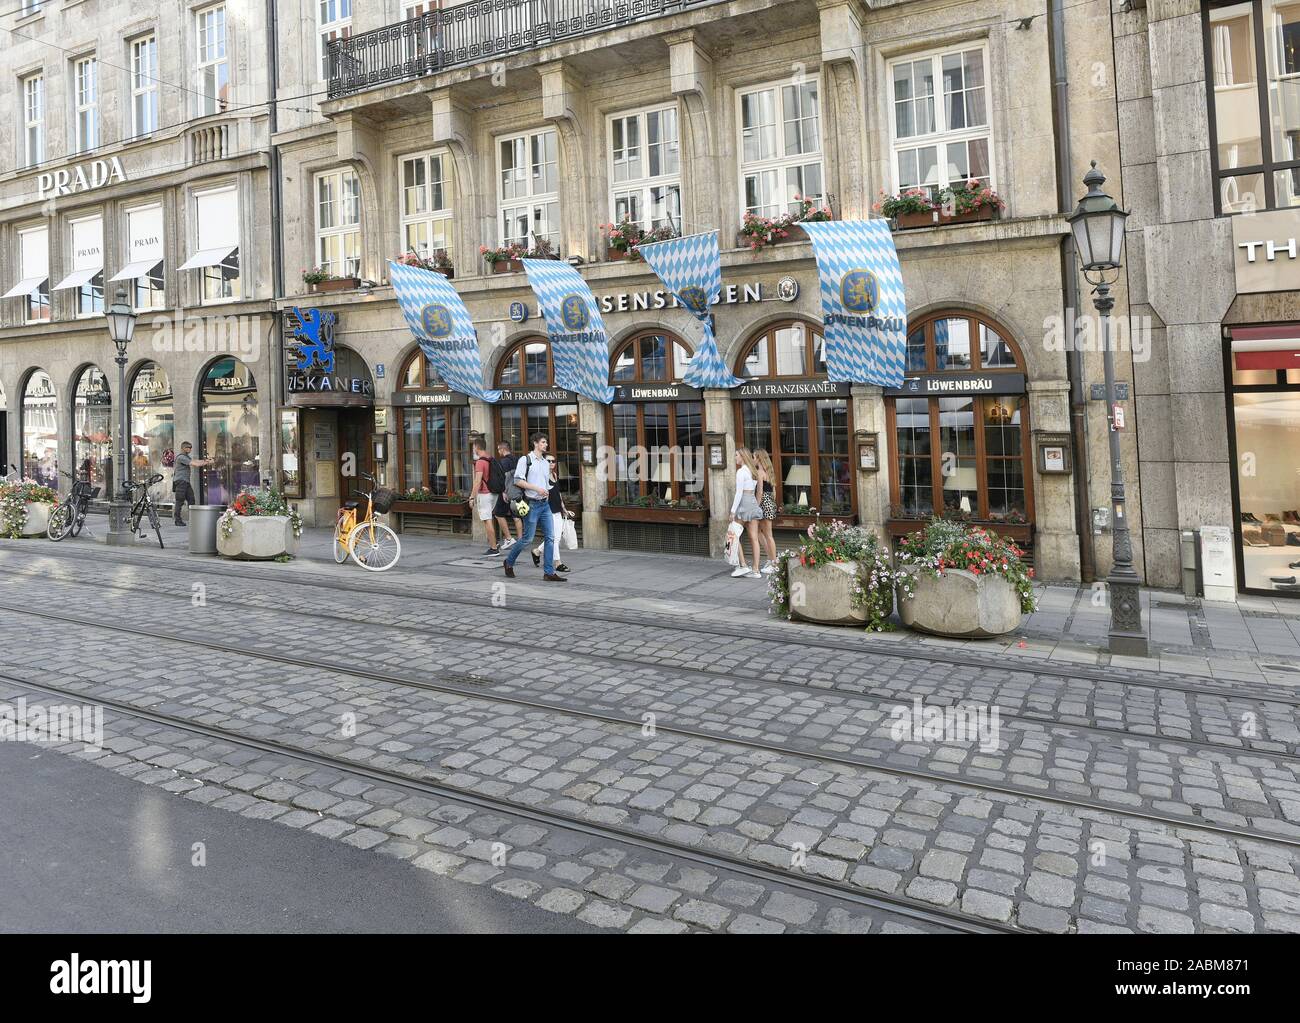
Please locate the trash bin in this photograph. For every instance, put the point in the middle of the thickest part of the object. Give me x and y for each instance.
(203, 527)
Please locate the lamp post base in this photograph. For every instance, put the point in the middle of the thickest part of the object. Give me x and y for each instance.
(120, 533)
(1126, 637)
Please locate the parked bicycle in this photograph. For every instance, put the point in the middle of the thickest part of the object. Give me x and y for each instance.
(69, 517)
(143, 505)
(371, 544)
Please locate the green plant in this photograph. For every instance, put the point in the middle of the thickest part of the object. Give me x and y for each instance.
(964, 197)
(909, 200)
(426, 495)
(944, 544)
(542, 249)
(14, 499)
(253, 503)
(438, 261)
(761, 231)
(874, 577)
(691, 502)
(318, 275)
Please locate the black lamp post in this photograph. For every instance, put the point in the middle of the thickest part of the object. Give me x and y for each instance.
(1098, 226)
(121, 329)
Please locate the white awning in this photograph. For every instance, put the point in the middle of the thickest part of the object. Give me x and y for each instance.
(78, 278)
(208, 257)
(134, 271)
(25, 287)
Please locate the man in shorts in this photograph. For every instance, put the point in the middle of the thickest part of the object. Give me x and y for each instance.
(505, 514)
(484, 500)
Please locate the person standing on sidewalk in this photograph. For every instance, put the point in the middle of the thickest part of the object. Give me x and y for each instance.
(508, 462)
(766, 494)
(182, 490)
(533, 477)
(484, 500)
(745, 509)
(558, 514)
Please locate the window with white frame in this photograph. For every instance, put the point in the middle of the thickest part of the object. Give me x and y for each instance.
(144, 85)
(216, 244)
(34, 274)
(528, 184)
(86, 277)
(780, 147)
(426, 204)
(33, 119)
(213, 62)
(333, 21)
(85, 76)
(144, 257)
(416, 8)
(645, 169)
(338, 222)
(940, 125)
(30, 7)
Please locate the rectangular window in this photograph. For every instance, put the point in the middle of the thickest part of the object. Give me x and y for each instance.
(87, 266)
(85, 74)
(34, 286)
(144, 257)
(645, 169)
(528, 188)
(338, 223)
(333, 21)
(940, 125)
(426, 204)
(34, 120)
(216, 219)
(144, 85)
(780, 147)
(213, 63)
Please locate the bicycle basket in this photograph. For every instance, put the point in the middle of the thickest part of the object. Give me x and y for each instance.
(383, 500)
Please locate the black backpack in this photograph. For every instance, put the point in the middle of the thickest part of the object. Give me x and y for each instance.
(514, 492)
(496, 478)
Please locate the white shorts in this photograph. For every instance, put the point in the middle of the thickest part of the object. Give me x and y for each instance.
(485, 503)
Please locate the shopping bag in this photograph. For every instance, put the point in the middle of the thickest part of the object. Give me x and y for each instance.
(570, 535)
(733, 544)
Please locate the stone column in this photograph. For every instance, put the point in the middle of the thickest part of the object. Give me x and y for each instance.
(595, 534)
(1056, 539)
(564, 104)
(691, 70)
(873, 487)
(719, 418)
(844, 129)
(453, 127)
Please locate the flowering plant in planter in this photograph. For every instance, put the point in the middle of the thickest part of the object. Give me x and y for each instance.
(426, 495)
(909, 200)
(438, 262)
(317, 275)
(875, 577)
(253, 503)
(944, 544)
(691, 502)
(970, 196)
(624, 237)
(542, 249)
(953, 201)
(14, 499)
(758, 232)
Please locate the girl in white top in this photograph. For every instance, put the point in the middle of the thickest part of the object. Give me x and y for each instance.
(744, 508)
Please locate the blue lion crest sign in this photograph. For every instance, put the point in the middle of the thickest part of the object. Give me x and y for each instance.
(313, 332)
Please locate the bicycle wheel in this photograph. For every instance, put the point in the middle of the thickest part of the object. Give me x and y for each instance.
(340, 541)
(153, 521)
(78, 520)
(374, 547)
(60, 522)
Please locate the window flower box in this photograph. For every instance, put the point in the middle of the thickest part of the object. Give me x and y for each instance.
(937, 218)
(668, 516)
(439, 509)
(507, 266)
(1020, 532)
(505, 259)
(337, 284)
(439, 263)
(758, 232)
(801, 521)
(966, 202)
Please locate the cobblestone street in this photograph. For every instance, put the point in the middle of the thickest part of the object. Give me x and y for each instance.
(648, 751)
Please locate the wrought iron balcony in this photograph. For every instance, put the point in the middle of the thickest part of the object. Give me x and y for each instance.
(474, 32)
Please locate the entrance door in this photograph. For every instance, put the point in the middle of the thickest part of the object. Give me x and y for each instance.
(356, 456)
(4, 444)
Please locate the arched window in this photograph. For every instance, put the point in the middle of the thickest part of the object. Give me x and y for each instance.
(92, 421)
(533, 404)
(232, 431)
(965, 454)
(804, 422)
(40, 430)
(153, 425)
(433, 433)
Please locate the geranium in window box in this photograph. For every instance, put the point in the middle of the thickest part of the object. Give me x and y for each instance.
(689, 511)
(321, 280)
(624, 238)
(439, 262)
(505, 259)
(758, 232)
(965, 202)
(423, 501)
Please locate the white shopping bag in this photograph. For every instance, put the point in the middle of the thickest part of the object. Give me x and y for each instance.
(570, 535)
(733, 544)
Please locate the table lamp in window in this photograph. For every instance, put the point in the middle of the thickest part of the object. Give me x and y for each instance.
(800, 477)
(440, 478)
(663, 476)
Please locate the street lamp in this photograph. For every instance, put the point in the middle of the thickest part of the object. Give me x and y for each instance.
(1098, 226)
(121, 328)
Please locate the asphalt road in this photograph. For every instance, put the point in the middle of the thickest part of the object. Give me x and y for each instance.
(84, 850)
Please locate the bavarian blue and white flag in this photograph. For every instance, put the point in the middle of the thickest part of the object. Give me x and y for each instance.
(579, 344)
(691, 268)
(441, 323)
(864, 311)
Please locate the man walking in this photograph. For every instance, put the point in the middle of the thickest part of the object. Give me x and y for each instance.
(505, 514)
(533, 477)
(182, 491)
(484, 500)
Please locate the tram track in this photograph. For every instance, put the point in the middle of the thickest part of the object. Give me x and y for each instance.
(475, 690)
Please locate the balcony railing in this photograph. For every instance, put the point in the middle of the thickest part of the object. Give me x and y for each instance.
(474, 32)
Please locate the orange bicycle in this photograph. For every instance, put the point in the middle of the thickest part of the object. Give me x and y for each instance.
(371, 544)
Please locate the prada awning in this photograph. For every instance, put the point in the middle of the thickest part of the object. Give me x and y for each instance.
(26, 286)
(134, 271)
(78, 278)
(208, 257)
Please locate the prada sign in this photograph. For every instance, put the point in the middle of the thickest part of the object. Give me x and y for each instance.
(430, 398)
(794, 389)
(1266, 251)
(939, 385)
(655, 392)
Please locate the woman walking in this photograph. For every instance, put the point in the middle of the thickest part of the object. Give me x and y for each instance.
(559, 513)
(744, 508)
(766, 494)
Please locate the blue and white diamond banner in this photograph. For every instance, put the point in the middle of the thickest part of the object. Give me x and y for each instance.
(441, 323)
(691, 268)
(864, 311)
(579, 343)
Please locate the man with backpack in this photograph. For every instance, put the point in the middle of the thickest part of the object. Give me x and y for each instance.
(502, 471)
(532, 483)
(486, 472)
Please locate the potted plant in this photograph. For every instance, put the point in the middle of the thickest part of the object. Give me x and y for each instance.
(687, 511)
(959, 203)
(505, 259)
(259, 525)
(423, 501)
(792, 515)
(1011, 525)
(966, 582)
(758, 232)
(839, 575)
(625, 237)
(321, 280)
(25, 508)
(439, 262)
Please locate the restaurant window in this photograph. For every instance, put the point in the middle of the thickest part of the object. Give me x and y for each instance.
(92, 418)
(807, 437)
(527, 367)
(338, 223)
(434, 439)
(213, 67)
(87, 276)
(645, 169)
(153, 425)
(528, 188)
(962, 456)
(658, 445)
(940, 120)
(144, 257)
(426, 204)
(1253, 53)
(216, 244)
(40, 430)
(780, 147)
(232, 432)
(33, 285)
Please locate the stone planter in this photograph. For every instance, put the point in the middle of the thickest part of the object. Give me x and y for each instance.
(38, 519)
(824, 594)
(507, 266)
(258, 538)
(961, 605)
